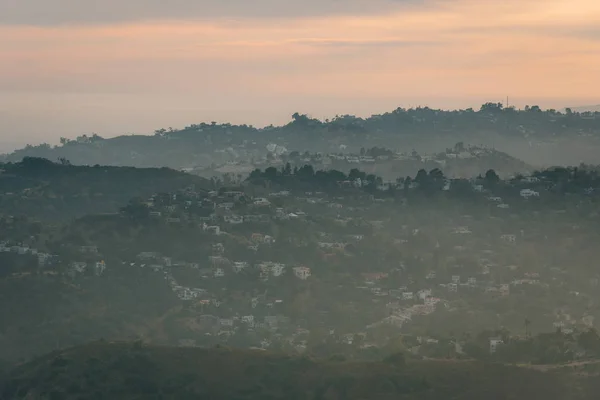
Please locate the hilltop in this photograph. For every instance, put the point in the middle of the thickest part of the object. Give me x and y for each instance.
(539, 137)
(104, 370)
(43, 189)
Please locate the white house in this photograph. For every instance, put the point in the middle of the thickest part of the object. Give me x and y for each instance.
(261, 201)
(100, 267)
(494, 343)
(462, 230)
(510, 238)
(238, 266)
(527, 193)
(219, 273)
(302, 272)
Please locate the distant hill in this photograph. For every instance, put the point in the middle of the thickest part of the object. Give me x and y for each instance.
(40, 188)
(104, 370)
(537, 136)
(581, 109)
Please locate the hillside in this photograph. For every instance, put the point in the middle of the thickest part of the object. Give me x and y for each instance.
(42, 189)
(539, 137)
(104, 370)
(322, 263)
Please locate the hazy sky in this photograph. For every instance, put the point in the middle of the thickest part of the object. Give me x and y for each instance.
(117, 66)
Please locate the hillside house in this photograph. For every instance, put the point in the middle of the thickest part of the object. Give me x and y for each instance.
(302, 272)
(527, 193)
(510, 238)
(79, 267)
(215, 230)
(99, 268)
(261, 202)
(219, 273)
(239, 266)
(494, 343)
(233, 219)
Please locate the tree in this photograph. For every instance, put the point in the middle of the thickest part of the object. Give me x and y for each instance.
(287, 170)
(136, 209)
(491, 177)
(421, 177)
(270, 173)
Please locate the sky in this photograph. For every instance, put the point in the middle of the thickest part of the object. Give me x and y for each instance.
(69, 67)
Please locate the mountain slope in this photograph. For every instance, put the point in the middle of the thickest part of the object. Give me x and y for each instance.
(132, 371)
(42, 189)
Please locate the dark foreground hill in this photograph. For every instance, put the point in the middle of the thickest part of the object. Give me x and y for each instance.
(40, 188)
(133, 371)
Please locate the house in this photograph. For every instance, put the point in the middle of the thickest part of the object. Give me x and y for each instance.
(218, 248)
(494, 343)
(472, 281)
(527, 193)
(510, 238)
(424, 293)
(462, 230)
(43, 258)
(504, 289)
(302, 272)
(431, 301)
(503, 205)
(78, 266)
(452, 287)
(277, 269)
(261, 238)
(407, 295)
(233, 219)
(455, 278)
(226, 205)
(226, 322)
(155, 214)
(219, 273)
(99, 268)
(261, 202)
(238, 266)
(211, 229)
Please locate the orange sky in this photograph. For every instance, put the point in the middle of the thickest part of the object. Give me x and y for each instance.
(137, 75)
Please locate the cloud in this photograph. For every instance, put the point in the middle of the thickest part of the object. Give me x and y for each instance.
(83, 12)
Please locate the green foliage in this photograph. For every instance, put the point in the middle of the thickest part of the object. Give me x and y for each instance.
(39, 188)
(113, 371)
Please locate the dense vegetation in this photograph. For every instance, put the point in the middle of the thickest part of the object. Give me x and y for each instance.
(44, 189)
(134, 371)
(535, 135)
